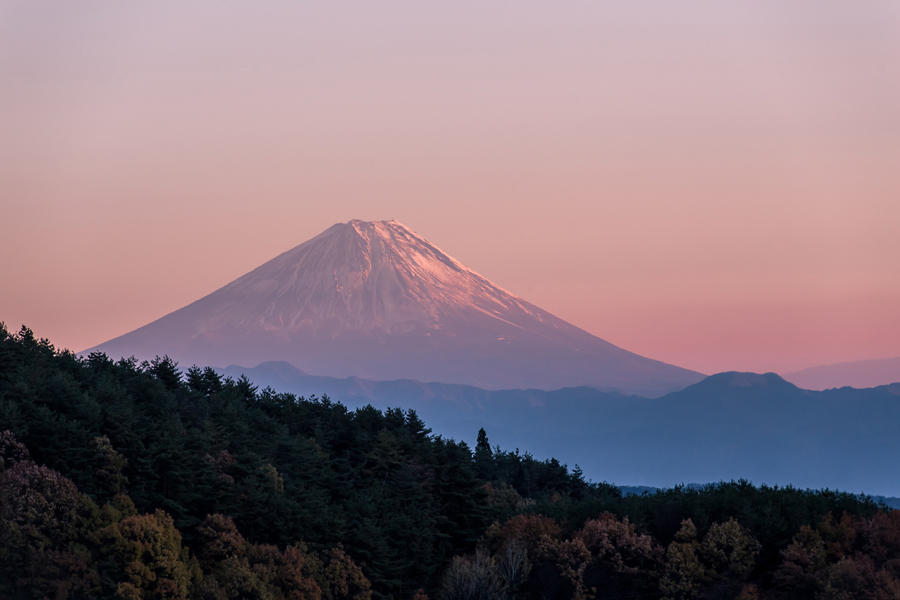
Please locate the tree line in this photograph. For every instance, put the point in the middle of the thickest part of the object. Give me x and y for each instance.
(139, 480)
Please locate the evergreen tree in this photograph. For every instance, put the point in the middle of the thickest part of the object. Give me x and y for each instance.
(484, 457)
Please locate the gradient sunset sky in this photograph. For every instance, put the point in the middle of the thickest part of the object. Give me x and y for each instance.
(713, 184)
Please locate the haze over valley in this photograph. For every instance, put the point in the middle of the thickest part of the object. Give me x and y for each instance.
(373, 313)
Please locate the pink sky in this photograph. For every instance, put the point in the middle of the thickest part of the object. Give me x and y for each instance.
(714, 184)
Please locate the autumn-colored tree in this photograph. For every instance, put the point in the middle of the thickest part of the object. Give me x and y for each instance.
(857, 578)
(881, 539)
(503, 498)
(528, 529)
(219, 539)
(571, 559)
(803, 564)
(864, 557)
(844, 558)
(622, 560)
(617, 545)
(839, 535)
(471, 578)
(512, 566)
(154, 562)
(296, 575)
(233, 568)
(44, 521)
(729, 551)
(222, 552)
(342, 579)
(684, 572)
(11, 450)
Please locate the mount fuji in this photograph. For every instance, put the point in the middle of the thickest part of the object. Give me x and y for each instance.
(376, 300)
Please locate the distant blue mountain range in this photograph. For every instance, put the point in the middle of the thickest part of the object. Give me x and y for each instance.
(728, 426)
(637, 490)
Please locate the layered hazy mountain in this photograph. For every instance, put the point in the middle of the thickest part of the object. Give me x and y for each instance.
(860, 374)
(375, 300)
(727, 426)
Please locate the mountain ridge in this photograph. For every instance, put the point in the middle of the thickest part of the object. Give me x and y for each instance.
(857, 373)
(730, 425)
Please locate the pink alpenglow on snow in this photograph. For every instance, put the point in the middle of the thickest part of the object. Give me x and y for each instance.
(375, 300)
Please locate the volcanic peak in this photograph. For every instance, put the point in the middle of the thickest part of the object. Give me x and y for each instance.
(373, 299)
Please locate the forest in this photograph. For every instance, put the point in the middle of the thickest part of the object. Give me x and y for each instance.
(144, 480)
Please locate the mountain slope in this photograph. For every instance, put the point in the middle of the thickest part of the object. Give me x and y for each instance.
(375, 300)
(861, 373)
(728, 426)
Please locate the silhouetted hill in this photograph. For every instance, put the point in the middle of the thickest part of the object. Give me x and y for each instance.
(861, 373)
(141, 480)
(730, 425)
(737, 380)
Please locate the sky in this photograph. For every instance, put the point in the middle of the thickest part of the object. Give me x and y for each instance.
(713, 184)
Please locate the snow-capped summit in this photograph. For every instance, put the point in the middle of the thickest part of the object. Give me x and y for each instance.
(372, 277)
(376, 300)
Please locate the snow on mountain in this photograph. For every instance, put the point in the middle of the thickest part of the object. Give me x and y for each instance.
(375, 300)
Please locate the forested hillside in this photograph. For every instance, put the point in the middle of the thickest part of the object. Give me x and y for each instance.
(140, 481)
(730, 425)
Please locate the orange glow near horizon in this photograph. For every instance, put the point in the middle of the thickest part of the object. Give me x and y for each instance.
(713, 186)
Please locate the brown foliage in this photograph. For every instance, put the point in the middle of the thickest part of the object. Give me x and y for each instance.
(845, 558)
(684, 572)
(528, 529)
(342, 579)
(220, 539)
(617, 545)
(803, 562)
(471, 578)
(729, 551)
(43, 519)
(154, 559)
(571, 557)
(235, 568)
(11, 450)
